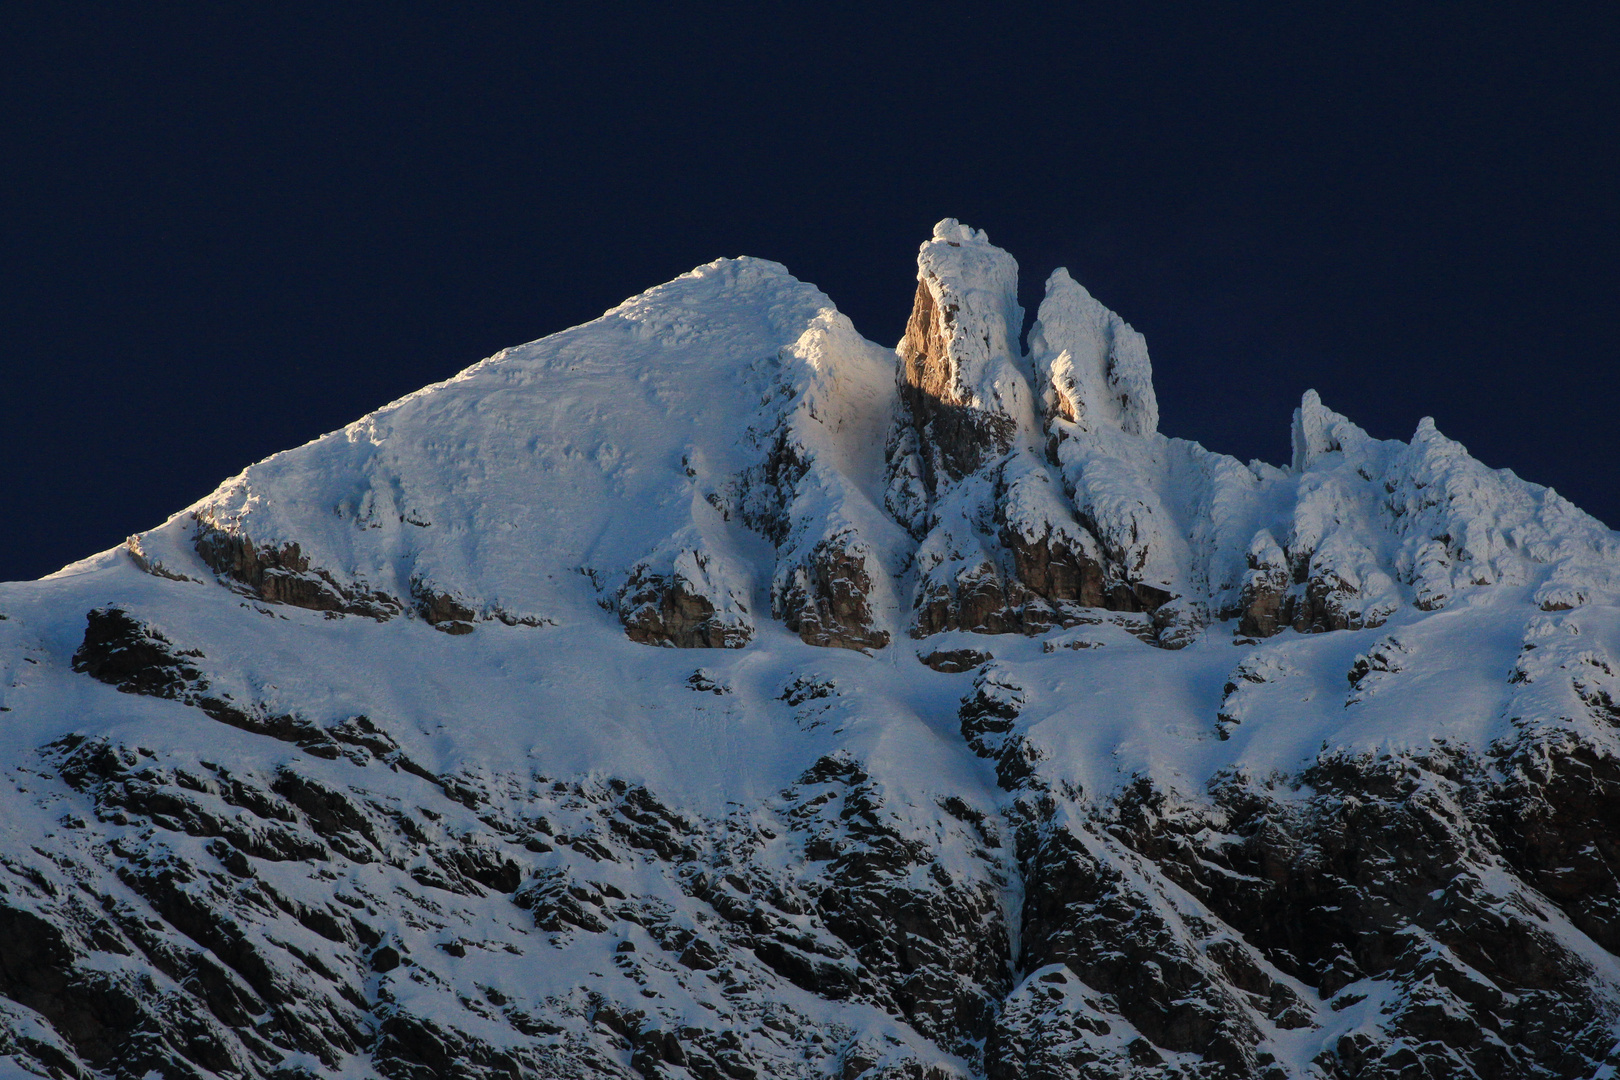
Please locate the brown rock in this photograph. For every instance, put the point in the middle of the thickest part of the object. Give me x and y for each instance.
(981, 599)
(958, 438)
(438, 608)
(284, 575)
(1264, 588)
(951, 661)
(1328, 603)
(660, 610)
(1054, 569)
(825, 600)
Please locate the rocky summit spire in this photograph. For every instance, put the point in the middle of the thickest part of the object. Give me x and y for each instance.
(959, 374)
(1093, 365)
(1318, 430)
(1001, 548)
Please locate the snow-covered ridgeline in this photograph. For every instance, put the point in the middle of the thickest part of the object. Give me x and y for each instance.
(484, 496)
(283, 827)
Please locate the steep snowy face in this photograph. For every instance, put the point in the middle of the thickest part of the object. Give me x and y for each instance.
(815, 493)
(638, 459)
(1102, 433)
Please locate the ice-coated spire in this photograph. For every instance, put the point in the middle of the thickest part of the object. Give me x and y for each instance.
(960, 372)
(1093, 368)
(1319, 430)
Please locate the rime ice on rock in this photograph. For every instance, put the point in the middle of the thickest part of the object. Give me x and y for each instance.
(960, 376)
(1101, 431)
(1000, 547)
(1319, 431)
(1093, 366)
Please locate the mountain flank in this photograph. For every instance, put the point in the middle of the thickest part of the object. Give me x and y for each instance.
(709, 693)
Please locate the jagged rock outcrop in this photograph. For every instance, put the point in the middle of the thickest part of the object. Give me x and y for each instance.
(119, 650)
(1001, 549)
(441, 610)
(284, 575)
(826, 599)
(959, 377)
(685, 599)
(1265, 588)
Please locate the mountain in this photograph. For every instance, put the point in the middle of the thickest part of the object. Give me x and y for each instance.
(708, 692)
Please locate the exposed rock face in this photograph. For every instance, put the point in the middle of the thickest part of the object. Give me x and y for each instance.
(959, 439)
(880, 922)
(283, 575)
(1265, 587)
(1165, 927)
(959, 378)
(1003, 547)
(1160, 936)
(826, 599)
(441, 610)
(978, 597)
(1056, 568)
(686, 607)
(987, 717)
(1293, 908)
(123, 652)
(952, 661)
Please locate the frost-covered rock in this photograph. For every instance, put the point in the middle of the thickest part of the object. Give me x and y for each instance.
(1001, 549)
(960, 372)
(1101, 431)
(1094, 368)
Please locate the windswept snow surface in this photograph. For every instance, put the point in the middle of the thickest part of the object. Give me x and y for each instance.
(528, 489)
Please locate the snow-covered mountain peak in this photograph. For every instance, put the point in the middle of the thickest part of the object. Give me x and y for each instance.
(954, 232)
(1093, 365)
(962, 372)
(855, 493)
(709, 692)
(1319, 430)
(713, 296)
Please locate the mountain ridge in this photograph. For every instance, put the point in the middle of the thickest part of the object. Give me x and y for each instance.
(994, 732)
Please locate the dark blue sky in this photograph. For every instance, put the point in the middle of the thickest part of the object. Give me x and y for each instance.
(226, 229)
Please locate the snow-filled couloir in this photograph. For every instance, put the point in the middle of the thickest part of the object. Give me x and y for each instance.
(707, 691)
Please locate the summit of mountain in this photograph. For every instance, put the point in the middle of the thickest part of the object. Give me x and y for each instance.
(707, 691)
